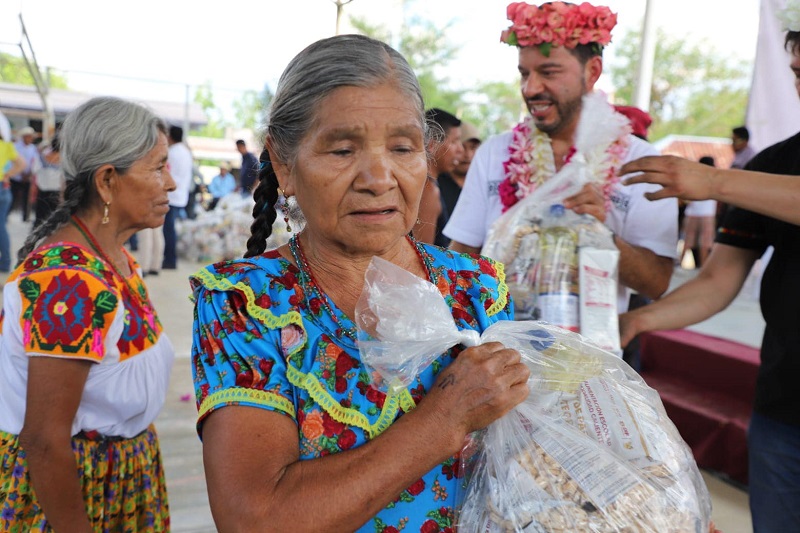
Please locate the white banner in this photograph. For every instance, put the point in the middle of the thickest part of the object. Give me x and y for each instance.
(773, 110)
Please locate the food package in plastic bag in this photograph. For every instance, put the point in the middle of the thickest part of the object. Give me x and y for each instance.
(590, 450)
(524, 233)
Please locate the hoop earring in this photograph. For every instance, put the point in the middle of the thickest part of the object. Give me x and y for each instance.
(105, 214)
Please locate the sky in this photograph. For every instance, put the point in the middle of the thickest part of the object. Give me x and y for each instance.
(156, 48)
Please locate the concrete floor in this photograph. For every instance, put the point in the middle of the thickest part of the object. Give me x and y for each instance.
(182, 449)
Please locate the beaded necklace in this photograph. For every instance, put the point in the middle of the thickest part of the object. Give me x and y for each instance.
(310, 285)
(140, 295)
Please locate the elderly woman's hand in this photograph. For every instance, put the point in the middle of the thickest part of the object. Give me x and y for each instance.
(678, 177)
(483, 384)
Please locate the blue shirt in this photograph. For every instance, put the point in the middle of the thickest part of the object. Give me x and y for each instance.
(222, 185)
(261, 338)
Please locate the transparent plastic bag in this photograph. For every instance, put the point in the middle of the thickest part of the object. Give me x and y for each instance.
(591, 448)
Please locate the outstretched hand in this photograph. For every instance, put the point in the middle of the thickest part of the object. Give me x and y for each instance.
(678, 177)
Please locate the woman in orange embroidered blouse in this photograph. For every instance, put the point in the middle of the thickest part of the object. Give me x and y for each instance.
(84, 363)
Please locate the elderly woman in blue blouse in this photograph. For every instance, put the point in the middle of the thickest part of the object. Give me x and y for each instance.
(295, 436)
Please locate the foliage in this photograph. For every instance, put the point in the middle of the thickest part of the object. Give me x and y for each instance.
(14, 70)
(695, 90)
(216, 124)
(252, 109)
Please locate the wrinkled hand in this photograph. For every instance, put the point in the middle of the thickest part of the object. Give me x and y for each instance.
(483, 383)
(678, 177)
(589, 201)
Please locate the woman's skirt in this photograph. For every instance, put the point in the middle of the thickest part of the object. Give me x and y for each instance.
(122, 480)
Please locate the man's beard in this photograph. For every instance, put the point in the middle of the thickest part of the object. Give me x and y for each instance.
(565, 111)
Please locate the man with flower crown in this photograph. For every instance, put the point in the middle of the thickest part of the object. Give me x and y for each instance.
(560, 60)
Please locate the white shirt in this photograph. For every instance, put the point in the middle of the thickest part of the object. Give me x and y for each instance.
(180, 166)
(638, 221)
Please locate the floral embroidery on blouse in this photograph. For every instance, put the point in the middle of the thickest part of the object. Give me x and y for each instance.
(69, 299)
(259, 341)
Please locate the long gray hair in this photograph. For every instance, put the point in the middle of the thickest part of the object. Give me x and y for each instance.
(102, 131)
(321, 68)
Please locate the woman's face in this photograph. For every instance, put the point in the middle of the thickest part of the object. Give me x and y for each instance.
(141, 199)
(360, 170)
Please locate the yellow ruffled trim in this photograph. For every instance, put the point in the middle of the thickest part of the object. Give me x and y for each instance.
(308, 383)
(266, 316)
(502, 289)
(345, 415)
(239, 395)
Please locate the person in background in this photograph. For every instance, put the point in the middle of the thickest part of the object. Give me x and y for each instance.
(84, 363)
(283, 396)
(742, 154)
(49, 182)
(11, 164)
(181, 167)
(773, 437)
(21, 182)
(248, 173)
(450, 183)
(221, 185)
(150, 250)
(740, 142)
(699, 224)
(445, 150)
(557, 69)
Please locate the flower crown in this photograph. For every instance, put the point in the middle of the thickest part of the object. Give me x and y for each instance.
(559, 24)
(790, 16)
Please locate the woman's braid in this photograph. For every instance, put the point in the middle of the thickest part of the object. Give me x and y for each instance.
(264, 214)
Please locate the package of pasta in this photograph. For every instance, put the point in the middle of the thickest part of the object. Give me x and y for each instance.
(590, 450)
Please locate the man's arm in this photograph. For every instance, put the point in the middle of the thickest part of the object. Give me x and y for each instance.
(714, 288)
(463, 248)
(642, 270)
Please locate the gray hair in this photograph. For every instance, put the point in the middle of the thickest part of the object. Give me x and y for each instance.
(102, 131)
(324, 66)
(317, 71)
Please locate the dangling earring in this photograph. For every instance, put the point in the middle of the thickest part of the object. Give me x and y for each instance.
(285, 209)
(105, 214)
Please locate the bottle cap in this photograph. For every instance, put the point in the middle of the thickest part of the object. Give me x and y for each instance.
(557, 210)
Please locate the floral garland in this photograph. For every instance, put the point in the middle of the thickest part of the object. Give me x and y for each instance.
(531, 163)
(558, 24)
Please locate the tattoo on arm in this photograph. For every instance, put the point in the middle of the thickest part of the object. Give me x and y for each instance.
(447, 381)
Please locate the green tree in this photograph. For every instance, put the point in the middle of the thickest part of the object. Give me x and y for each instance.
(695, 90)
(252, 108)
(13, 69)
(215, 127)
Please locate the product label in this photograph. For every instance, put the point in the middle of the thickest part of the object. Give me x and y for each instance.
(560, 310)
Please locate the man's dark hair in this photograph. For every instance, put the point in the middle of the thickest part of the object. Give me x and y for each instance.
(584, 52)
(742, 132)
(240, 142)
(176, 134)
(708, 160)
(445, 120)
(792, 42)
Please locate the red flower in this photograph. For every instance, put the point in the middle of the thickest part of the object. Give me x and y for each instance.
(340, 385)
(508, 194)
(375, 396)
(33, 262)
(486, 266)
(264, 301)
(390, 529)
(430, 526)
(344, 363)
(347, 439)
(331, 426)
(460, 314)
(64, 311)
(463, 298)
(73, 256)
(315, 304)
(416, 489)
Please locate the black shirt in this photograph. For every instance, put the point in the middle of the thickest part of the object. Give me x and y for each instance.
(777, 387)
(448, 192)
